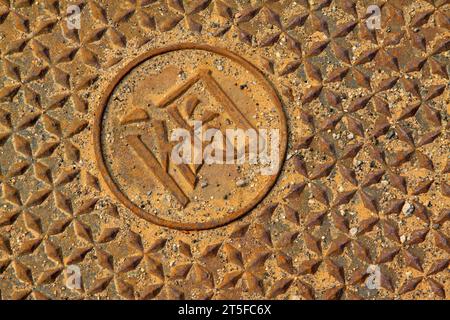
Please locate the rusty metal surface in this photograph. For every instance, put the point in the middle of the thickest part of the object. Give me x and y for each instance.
(363, 114)
(196, 207)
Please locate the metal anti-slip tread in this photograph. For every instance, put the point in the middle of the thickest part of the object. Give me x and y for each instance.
(352, 202)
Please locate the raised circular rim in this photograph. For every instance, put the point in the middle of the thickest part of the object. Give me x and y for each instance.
(97, 130)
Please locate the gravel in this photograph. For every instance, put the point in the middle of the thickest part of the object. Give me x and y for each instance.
(241, 183)
(408, 209)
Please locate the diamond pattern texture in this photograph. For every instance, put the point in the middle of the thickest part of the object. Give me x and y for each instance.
(366, 180)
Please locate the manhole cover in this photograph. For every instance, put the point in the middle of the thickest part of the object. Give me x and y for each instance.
(121, 176)
(236, 143)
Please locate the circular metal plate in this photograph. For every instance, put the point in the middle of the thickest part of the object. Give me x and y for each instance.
(169, 89)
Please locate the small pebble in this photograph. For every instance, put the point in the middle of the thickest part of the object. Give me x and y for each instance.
(353, 231)
(241, 183)
(402, 238)
(408, 209)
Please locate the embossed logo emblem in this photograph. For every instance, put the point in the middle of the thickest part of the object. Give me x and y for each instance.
(190, 137)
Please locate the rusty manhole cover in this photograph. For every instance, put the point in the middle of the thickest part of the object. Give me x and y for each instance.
(206, 88)
(101, 101)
